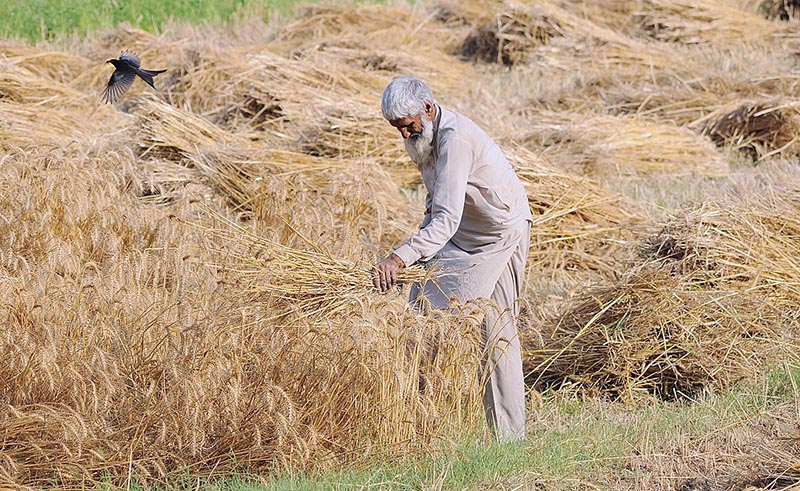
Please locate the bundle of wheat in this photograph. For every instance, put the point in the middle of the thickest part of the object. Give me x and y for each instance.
(616, 146)
(577, 224)
(309, 279)
(369, 24)
(760, 129)
(29, 127)
(349, 197)
(712, 22)
(671, 103)
(63, 67)
(715, 289)
(507, 37)
(168, 132)
(19, 84)
(652, 333)
(322, 107)
(779, 9)
(546, 34)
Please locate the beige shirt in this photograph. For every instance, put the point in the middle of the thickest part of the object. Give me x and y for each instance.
(474, 197)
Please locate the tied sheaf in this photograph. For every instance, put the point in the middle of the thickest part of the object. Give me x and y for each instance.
(127, 67)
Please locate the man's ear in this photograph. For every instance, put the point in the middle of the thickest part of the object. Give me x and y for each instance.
(430, 110)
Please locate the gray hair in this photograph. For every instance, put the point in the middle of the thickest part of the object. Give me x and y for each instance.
(405, 96)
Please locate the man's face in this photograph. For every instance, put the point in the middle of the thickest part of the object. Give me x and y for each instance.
(412, 125)
(408, 126)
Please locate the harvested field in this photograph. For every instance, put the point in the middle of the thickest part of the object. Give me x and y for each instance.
(185, 279)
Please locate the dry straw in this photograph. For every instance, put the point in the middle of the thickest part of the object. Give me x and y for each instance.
(614, 146)
(578, 224)
(547, 34)
(712, 22)
(715, 291)
(760, 129)
(338, 199)
(136, 348)
(313, 282)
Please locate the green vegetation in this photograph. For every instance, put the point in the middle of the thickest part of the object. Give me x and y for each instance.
(36, 20)
(574, 444)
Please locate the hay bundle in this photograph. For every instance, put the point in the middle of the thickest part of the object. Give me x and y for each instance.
(19, 84)
(760, 129)
(550, 36)
(669, 104)
(342, 200)
(780, 9)
(60, 66)
(324, 108)
(578, 225)
(170, 133)
(615, 146)
(749, 245)
(509, 35)
(709, 303)
(653, 333)
(309, 280)
(27, 126)
(326, 112)
(712, 22)
(371, 25)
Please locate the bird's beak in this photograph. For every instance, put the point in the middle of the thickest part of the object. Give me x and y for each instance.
(109, 61)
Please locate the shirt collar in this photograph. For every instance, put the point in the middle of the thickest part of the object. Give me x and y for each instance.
(436, 120)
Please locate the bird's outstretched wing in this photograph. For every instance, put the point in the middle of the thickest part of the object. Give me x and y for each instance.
(131, 58)
(118, 84)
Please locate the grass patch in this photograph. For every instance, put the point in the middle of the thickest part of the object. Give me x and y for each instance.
(38, 20)
(576, 444)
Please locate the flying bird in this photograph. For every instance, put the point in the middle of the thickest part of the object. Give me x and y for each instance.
(126, 69)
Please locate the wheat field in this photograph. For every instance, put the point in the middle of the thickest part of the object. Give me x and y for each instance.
(185, 279)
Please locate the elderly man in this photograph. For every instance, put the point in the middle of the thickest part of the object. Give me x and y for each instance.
(476, 233)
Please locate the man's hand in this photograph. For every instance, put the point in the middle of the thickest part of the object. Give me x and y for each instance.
(384, 276)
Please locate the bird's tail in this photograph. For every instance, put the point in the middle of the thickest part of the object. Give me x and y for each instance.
(147, 75)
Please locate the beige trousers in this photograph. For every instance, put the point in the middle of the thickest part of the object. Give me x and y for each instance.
(504, 391)
(496, 272)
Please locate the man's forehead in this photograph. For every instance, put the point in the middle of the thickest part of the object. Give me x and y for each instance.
(403, 121)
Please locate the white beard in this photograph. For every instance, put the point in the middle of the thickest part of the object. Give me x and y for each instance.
(419, 145)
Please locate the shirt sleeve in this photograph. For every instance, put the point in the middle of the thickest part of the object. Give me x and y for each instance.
(427, 218)
(447, 203)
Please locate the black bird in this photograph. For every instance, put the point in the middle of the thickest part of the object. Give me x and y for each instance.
(127, 67)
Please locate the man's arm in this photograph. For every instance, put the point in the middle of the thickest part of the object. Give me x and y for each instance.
(427, 218)
(447, 203)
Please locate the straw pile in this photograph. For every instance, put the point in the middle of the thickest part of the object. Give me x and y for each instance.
(713, 22)
(412, 35)
(613, 146)
(506, 38)
(780, 9)
(714, 291)
(338, 200)
(758, 128)
(311, 280)
(546, 34)
(578, 225)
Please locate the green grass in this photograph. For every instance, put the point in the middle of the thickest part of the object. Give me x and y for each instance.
(577, 444)
(36, 20)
